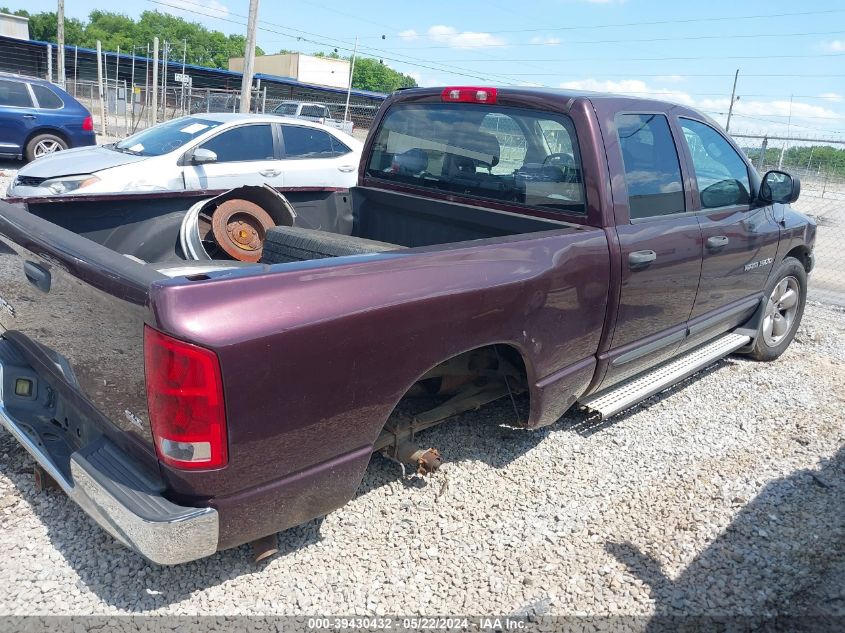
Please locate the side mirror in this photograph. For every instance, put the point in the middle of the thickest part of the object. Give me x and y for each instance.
(201, 156)
(778, 186)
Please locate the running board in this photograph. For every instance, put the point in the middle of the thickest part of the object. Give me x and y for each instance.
(631, 391)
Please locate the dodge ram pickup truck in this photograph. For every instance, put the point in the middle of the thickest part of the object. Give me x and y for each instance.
(571, 249)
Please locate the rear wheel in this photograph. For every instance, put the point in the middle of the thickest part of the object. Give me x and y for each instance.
(785, 295)
(44, 144)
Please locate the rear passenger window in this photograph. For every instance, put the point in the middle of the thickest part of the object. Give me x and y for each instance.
(46, 98)
(15, 94)
(244, 143)
(306, 142)
(652, 168)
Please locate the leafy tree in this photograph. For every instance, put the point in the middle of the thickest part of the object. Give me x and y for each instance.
(204, 47)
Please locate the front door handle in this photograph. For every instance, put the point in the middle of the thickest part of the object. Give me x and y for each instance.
(641, 259)
(270, 173)
(28, 116)
(37, 275)
(347, 168)
(717, 242)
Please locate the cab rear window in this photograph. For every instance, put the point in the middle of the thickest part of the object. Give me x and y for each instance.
(486, 151)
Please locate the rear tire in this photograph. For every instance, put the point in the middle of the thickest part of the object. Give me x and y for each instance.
(42, 145)
(785, 297)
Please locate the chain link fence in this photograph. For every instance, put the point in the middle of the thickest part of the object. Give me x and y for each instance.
(823, 199)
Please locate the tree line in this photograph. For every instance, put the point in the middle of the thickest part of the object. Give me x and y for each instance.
(822, 158)
(203, 46)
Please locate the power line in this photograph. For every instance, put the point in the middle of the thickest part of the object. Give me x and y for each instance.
(661, 22)
(655, 59)
(465, 72)
(647, 39)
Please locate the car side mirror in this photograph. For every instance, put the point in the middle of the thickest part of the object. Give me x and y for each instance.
(778, 186)
(202, 156)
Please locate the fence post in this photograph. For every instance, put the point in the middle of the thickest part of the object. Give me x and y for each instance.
(154, 108)
(263, 100)
(49, 62)
(100, 87)
(763, 148)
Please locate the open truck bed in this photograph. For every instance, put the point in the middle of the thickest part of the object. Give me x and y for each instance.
(85, 282)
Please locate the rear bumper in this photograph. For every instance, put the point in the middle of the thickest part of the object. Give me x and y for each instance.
(123, 505)
(116, 492)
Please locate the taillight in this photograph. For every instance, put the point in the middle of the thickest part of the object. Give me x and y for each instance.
(185, 399)
(88, 124)
(469, 94)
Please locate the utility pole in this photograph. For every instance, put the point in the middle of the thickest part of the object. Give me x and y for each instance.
(249, 57)
(734, 99)
(184, 56)
(154, 101)
(60, 36)
(349, 86)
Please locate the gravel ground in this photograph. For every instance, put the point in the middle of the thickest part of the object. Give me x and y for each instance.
(8, 169)
(725, 495)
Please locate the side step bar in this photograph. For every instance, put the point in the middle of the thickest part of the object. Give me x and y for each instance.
(629, 392)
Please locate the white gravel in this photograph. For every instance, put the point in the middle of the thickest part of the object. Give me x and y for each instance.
(8, 169)
(723, 496)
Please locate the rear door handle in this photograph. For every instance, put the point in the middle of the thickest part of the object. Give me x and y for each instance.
(270, 173)
(37, 275)
(641, 259)
(347, 168)
(717, 242)
(28, 116)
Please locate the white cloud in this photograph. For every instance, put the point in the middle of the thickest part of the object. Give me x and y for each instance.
(546, 40)
(409, 34)
(671, 79)
(832, 96)
(834, 46)
(749, 114)
(450, 36)
(633, 87)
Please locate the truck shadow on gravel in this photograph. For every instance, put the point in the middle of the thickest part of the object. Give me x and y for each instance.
(779, 565)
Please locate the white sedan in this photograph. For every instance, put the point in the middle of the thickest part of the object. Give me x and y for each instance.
(203, 151)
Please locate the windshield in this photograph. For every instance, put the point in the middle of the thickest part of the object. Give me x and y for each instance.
(165, 137)
(286, 108)
(514, 155)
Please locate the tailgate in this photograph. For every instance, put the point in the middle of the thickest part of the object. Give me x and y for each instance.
(75, 311)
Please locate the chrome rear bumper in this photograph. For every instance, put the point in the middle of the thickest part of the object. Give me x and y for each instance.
(122, 500)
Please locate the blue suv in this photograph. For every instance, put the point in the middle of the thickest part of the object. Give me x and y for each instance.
(39, 118)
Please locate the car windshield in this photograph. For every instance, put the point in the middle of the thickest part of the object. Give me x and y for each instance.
(508, 154)
(165, 137)
(286, 108)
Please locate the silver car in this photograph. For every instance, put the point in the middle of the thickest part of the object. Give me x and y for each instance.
(203, 151)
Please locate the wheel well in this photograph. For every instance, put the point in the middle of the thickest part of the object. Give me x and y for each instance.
(44, 130)
(802, 254)
(491, 370)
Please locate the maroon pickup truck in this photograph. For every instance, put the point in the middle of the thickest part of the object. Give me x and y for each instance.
(572, 248)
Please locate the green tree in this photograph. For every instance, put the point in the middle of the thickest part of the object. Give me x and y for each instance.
(372, 74)
(204, 47)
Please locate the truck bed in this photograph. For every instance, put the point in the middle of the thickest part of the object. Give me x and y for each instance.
(76, 301)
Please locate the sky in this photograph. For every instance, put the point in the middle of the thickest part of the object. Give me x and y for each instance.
(790, 56)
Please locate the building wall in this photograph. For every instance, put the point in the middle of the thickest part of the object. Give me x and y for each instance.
(14, 26)
(305, 68)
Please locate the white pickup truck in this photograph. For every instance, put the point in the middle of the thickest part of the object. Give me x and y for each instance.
(312, 112)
